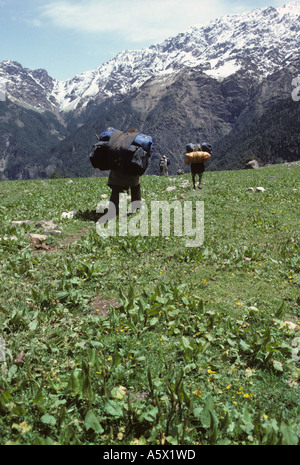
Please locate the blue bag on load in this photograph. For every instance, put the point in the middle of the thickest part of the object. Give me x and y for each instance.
(143, 141)
(121, 152)
(106, 134)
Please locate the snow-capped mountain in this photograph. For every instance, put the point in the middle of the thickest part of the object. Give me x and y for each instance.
(260, 41)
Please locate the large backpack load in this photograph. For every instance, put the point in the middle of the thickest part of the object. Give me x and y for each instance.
(197, 153)
(128, 152)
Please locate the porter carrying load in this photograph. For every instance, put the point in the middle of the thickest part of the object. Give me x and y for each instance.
(128, 152)
(196, 157)
(197, 153)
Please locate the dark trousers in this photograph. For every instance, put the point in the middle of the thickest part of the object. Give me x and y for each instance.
(135, 192)
(197, 168)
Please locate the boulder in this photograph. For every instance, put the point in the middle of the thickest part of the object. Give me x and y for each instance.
(38, 241)
(21, 223)
(68, 215)
(169, 189)
(252, 165)
(185, 184)
(46, 225)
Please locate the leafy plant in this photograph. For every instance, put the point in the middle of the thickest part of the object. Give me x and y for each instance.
(141, 340)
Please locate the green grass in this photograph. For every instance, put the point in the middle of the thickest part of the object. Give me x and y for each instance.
(141, 340)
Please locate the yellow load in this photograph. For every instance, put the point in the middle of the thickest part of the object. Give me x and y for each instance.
(197, 157)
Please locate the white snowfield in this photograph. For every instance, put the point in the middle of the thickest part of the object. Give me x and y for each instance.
(261, 40)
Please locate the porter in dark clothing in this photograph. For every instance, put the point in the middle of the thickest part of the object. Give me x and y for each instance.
(119, 182)
(197, 168)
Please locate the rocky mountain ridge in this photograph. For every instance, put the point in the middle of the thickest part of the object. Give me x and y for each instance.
(258, 41)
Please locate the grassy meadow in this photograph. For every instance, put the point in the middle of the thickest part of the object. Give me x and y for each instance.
(141, 340)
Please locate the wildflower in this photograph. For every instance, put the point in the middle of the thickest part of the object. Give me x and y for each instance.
(197, 392)
(228, 387)
(234, 403)
(210, 371)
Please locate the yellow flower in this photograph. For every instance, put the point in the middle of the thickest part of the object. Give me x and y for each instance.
(210, 371)
(197, 392)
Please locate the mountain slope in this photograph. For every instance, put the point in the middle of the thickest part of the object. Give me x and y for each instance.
(211, 82)
(266, 139)
(27, 137)
(258, 41)
(192, 107)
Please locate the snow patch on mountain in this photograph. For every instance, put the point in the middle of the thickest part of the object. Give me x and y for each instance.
(259, 41)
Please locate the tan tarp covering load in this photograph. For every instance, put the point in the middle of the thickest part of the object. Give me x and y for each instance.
(196, 157)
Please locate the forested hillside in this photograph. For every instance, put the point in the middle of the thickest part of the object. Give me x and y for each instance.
(273, 138)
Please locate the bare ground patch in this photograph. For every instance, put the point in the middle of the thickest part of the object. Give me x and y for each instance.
(101, 306)
(39, 243)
